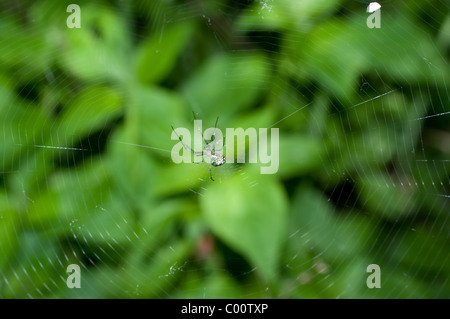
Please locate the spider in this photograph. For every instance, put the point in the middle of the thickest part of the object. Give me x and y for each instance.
(216, 159)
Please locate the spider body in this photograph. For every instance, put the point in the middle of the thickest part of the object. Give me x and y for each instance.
(214, 159)
(217, 159)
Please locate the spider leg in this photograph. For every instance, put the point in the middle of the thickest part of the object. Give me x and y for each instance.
(217, 120)
(215, 126)
(203, 160)
(210, 173)
(214, 135)
(187, 147)
(195, 118)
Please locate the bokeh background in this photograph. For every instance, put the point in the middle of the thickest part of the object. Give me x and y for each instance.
(86, 175)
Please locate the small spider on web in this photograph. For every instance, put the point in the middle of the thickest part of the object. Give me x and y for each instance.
(215, 159)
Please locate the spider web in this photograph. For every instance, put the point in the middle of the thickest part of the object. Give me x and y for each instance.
(364, 156)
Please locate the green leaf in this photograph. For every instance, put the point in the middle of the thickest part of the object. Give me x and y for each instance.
(250, 216)
(337, 67)
(157, 56)
(157, 274)
(70, 194)
(91, 111)
(285, 14)
(182, 177)
(385, 196)
(24, 48)
(218, 285)
(135, 172)
(109, 223)
(21, 124)
(227, 84)
(158, 109)
(8, 223)
(159, 220)
(32, 270)
(98, 50)
(334, 236)
(422, 249)
(299, 154)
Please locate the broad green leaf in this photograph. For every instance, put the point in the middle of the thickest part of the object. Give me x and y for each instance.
(92, 110)
(401, 283)
(33, 268)
(183, 177)
(156, 225)
(69, 196)
(261, 117)
(420, 248)
(337, 237)
(21, 124)
(337, 67)
(111, 222)
(348, 280)
(157, 56)
(98, 50)
(135, 172)
(299, 154)
(25, 49)
(9, 225)
(285, 14)
(218, 285)
(156, 275)
(150, 114)
(385, 195)
(250, 216)
(226, 84)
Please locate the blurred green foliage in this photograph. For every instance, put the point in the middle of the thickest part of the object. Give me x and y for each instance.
(86, 176)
